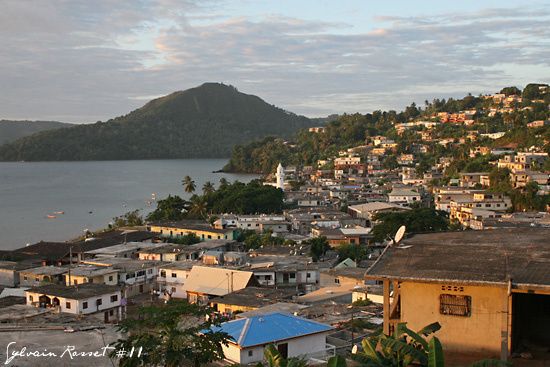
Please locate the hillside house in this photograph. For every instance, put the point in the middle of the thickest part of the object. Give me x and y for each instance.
(489, 290)
(292, 336)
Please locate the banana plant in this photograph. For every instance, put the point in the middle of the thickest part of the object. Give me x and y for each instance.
(403, 348)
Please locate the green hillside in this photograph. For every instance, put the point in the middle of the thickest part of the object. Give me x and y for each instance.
(202, 122)
(13, 130)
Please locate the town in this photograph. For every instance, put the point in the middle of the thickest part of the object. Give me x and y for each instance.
(439, 224)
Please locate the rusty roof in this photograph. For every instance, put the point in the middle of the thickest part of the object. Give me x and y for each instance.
(482, 257)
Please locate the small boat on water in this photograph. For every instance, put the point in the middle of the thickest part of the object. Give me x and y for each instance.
(59, 212)
(51, 216)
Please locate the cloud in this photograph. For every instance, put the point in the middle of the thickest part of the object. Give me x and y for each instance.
(83, 61)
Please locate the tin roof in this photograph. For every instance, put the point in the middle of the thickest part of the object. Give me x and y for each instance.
(483, 257)
(269, 328)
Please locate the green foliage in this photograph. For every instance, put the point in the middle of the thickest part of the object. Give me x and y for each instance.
(510, 91)
(362, 303)
(532, 91)
(354, 251)
(337, 361)
(170, 209)
(13, 130)
(130, 219)
(186, 240)
(240, 198)
(204, 122)
(416, 220)
(171, 335)
(347, 131)
(275, 359)
(318, 247)
(403, 348)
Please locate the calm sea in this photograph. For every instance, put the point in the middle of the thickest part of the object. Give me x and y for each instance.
(89, 193)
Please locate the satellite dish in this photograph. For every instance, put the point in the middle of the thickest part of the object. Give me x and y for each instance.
(399, 235)
(354, 349)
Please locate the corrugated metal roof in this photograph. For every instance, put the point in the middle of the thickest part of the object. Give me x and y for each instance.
(493, 256)
(269, 328)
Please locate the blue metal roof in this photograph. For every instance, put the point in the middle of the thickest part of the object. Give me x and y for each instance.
(269, 328)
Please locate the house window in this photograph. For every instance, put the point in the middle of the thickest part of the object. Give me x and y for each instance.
(292, 275)
(68, 305)
(173, 290)
(110, 278)
(25, 277)
(114, 298)
(250, 353)
(99, 302)
(174, 275)
(209, 236)
(308, 275)
(149, 271)
(75, 282)
(85, 305)
(163, 273)
(30, 298)
(450, 304)
(336, 280)
(37, 279)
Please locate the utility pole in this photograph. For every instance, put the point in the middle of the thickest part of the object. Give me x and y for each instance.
(70, 263)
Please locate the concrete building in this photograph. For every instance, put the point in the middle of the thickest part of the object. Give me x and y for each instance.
(34, 277)
(172, 279)
(292, 336)
(102, 300)
(489, 290)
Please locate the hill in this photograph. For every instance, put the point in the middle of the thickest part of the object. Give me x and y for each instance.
(202, 122)
(13, 130)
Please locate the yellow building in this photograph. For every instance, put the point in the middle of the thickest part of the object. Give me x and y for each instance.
(182, 228)
(91, 274)
(489, 290)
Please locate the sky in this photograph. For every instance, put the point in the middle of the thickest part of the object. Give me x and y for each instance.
(83, 61)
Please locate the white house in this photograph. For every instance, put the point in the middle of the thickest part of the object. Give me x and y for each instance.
(404, 196)
(85, 299)
(292, 336)
(172, 278)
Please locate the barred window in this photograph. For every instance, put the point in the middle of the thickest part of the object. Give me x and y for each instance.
(450, 304)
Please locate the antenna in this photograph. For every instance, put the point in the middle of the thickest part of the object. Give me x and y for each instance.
(399, 235)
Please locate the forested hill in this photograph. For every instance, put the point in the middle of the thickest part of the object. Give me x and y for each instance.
(202, 122)
(13, 130)
(353, 130)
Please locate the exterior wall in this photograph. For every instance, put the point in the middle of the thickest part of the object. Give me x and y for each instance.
(296, 347)
(261, 278)
(222, 307)
(9, 278)
(480, 332)
(175, 285)
(35, 280)
(202, 234)
(77, 306)
(109, 279)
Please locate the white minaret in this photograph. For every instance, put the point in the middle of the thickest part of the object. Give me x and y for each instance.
(280, 175)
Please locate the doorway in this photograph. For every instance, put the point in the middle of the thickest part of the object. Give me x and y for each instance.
(530, 324)
(283, 349)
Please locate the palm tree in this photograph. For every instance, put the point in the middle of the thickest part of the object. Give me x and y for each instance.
(188, 184)
(223, 182)
(199, 207)
(208, 188)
